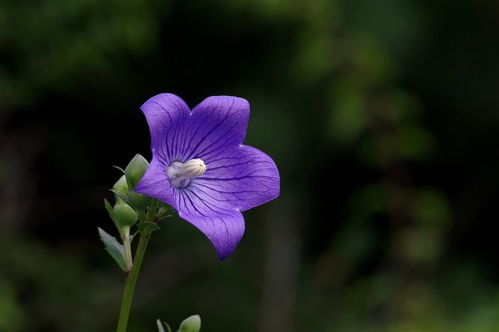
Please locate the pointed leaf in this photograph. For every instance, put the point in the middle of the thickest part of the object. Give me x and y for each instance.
(121, 186)
(119, 168)
(161, 327)
(122, 196)
(111, 213)
(113, 247)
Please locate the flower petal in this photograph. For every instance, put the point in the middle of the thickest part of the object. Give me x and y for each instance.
(223, 227)
(243, 178)
(155, 183)
(166, 115)
(217, 123)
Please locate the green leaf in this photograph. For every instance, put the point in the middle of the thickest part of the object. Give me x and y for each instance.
(164, 211)
(152, 210)
(161, 327)
(122, 196)
(146, 228)
(111, 213)
(190, 324)
(113, 247)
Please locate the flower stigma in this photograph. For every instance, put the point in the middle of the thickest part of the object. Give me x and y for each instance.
(180, 174)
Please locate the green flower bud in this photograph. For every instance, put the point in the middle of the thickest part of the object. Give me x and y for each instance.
(190, 324)
(125, 215)
(135, 170)
(121, 187)
(139, 201)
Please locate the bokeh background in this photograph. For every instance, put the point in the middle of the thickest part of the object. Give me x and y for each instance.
(383, 117)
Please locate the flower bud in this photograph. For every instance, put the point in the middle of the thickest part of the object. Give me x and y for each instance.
(138, 201)
(121, 187)
(125, 215)
(135, 170)
(190, 324)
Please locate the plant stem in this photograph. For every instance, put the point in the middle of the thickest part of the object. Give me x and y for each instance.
(125, 237)
(131, 280)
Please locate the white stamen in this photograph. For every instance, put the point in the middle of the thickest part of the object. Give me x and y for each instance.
(180, 174)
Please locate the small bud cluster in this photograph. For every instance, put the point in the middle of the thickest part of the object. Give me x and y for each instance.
(131, 209)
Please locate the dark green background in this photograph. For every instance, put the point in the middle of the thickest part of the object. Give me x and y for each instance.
(382, 117)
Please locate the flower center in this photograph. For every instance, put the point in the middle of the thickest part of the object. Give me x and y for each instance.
(180, 174)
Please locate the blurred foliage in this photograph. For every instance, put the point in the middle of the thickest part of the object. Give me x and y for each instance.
(382, 117)
(47, 43)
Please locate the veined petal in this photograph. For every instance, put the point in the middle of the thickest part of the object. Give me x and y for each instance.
(155, 183)
(216, 124)
(242, 178)
(234, 177)
(224, 227)
(166, 115)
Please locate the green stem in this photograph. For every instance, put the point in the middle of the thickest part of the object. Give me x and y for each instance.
(131, 280)
(127, 247)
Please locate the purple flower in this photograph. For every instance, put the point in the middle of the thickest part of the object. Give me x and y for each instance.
(201, 168)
